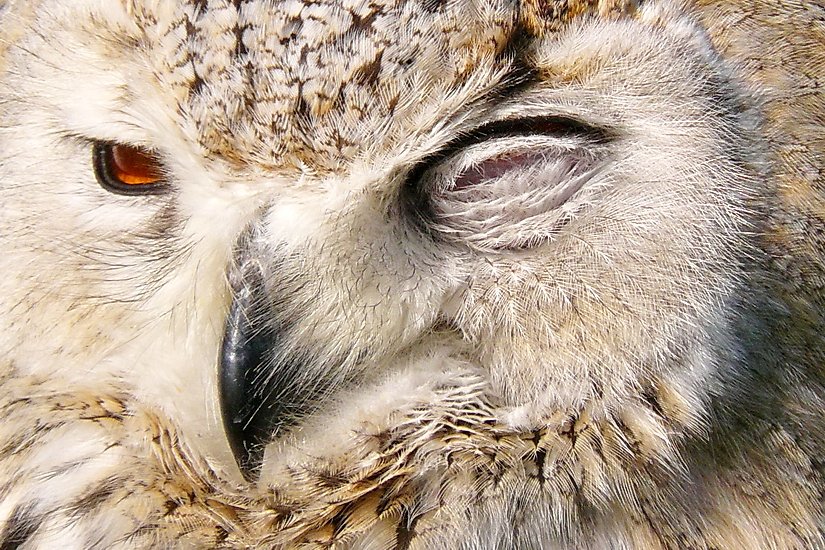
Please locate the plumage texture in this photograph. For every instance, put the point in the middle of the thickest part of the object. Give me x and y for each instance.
(543, 274)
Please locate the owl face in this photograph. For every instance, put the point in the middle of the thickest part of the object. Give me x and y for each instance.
(339, 193)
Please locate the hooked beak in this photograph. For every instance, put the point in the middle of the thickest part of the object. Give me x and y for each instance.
(247, 415)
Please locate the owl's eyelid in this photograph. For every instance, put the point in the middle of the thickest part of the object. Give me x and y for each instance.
(551, 126)
(416, 196)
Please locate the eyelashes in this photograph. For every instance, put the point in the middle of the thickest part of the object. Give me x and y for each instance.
(128, 170)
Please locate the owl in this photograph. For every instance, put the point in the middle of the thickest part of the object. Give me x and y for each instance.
(425, 274)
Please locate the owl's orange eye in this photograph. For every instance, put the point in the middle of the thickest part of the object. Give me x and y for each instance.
(128, 170)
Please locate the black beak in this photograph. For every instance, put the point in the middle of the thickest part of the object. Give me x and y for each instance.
(272, 371)
(246, 343)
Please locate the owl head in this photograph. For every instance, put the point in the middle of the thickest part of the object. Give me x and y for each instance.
(279, 224)
(271, 206)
